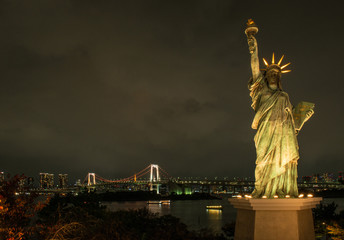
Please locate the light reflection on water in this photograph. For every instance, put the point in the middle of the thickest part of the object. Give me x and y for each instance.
(215, 214)
(214, 219)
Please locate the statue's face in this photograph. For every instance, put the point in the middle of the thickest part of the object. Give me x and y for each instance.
(273, 76)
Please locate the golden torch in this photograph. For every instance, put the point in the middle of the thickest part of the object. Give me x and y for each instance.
(251, 28)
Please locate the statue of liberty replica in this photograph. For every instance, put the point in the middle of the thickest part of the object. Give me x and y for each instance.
(277, 124)
(275, 210)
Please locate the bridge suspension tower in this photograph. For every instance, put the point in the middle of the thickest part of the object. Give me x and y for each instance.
(154, 177)
(91, 179)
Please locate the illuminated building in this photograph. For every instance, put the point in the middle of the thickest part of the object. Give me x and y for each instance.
(30, 181)
(78, 182)
(2, 176)
(21, 183)
(329, 177)
(46, 180)
(50, 180)
(323, 178)
(341, 177)
(63, 180)
(315, 178)
(306, 179)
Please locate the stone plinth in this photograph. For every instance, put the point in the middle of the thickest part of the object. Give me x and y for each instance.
(275, 219)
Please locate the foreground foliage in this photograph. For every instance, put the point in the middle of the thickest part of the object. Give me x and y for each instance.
(23, 217)
(327, 222)
(17, 209)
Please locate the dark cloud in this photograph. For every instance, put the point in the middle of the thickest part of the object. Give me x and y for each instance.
(111, 87)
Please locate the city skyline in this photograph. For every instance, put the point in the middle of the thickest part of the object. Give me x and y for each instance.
(62, 180)
(110, 87)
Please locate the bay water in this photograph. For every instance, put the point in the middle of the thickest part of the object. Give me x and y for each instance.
(194, 212)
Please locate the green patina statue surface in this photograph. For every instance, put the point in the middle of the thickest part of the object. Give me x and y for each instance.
(276, 138)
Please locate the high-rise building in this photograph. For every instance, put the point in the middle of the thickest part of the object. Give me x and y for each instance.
(306, 179)
(46, 180)
(22, 182)
(323, 178)
(2, 176)
(340, 177)
(43, 180)
(78, 182)
(326, 177)
(51, 180)
(30, 181)
(316, 178)
(63, 180)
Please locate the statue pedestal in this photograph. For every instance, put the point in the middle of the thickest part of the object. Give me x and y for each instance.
(265, 219)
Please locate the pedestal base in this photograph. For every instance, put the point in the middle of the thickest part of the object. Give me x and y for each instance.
(282, 219)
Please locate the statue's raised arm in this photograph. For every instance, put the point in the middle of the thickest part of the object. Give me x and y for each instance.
(250, 31)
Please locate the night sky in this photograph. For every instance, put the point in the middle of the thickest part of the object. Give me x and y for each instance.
(112, 86)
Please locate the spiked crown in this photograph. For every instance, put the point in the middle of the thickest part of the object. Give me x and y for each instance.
(275, 65)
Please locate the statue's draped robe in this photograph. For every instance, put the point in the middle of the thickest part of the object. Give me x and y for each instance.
(276, 142)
